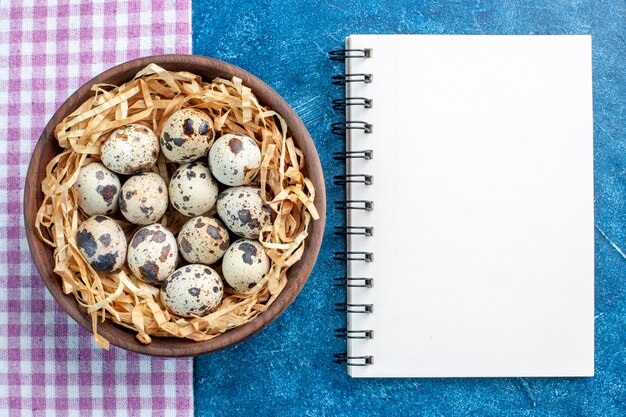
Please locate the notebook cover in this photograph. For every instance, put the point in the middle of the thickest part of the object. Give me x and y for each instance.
(483, 218)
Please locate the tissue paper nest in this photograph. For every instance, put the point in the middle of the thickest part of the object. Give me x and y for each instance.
(149, 99)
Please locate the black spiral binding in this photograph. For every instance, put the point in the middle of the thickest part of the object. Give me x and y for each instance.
(354, 230)
(354, 282)
(354, 205)
(353, 256)
(354, 308)
(344, 359)
(340, 129)
(344, 79)
(342, 103)
(353, 178)
(368, 154)
(354, 334)
(343, 54)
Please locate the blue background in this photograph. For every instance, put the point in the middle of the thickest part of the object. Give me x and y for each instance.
(287, 369)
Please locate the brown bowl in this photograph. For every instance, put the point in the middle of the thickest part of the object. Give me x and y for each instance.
(47, 148)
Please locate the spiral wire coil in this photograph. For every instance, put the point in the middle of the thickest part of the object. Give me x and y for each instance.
(340, 129)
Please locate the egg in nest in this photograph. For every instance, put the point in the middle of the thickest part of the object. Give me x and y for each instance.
(143, 198)
(102, 243)
(187, 135)
(245, 264)
(192, 290)
(203, 240)
(243, 211)
(192, 189)
(231, 156)
(152, 253)
(130, 149)
(97, 189)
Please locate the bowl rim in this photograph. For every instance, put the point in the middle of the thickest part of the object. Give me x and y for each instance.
(183, 347)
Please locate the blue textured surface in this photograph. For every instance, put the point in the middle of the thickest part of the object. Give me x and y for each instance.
(287, 368)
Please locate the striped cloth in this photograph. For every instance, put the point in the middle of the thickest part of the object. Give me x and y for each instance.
(48, 364)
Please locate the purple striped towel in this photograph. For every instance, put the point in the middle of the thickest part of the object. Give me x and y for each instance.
(48, 364)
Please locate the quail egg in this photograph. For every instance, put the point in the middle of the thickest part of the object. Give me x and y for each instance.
(231, 156)
(102, 242)
(192, 189)
(130, 149)
(243, 211)
(187, 135)
(97, 189)
(152, 253)
(245, 263)
(192, 290)
(203, 240)
(143, 198)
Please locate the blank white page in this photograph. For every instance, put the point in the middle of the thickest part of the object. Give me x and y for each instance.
(483, 206)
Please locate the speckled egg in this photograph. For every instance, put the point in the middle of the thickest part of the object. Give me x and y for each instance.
(143, 198)
(243, 211)
(203, 240)
(152, 253)
(192, 290)
(130, 149)
(231, 156)
(245, 264)
(187, 135)
(192, 190)
(97, 189)
(102, 242)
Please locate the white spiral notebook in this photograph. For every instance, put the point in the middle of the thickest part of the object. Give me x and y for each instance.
(475, 257)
